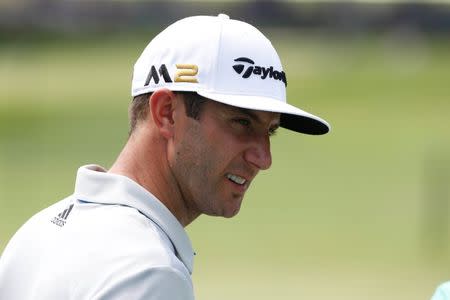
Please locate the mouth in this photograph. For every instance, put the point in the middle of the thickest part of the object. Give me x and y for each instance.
(236, 179)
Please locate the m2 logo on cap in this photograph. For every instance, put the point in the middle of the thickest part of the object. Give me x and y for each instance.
(264, 72)
(184, 73)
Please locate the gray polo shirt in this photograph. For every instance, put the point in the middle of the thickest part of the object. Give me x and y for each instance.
(111, 239)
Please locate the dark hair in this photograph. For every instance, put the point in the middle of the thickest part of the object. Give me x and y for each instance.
(139, 107)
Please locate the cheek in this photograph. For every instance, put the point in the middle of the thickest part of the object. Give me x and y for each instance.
(192, 159)
(201, 155)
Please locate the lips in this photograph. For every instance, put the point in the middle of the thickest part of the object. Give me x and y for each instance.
(236, 179)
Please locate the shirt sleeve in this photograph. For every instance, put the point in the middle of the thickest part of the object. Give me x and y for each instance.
(442, 292)
(156, 283)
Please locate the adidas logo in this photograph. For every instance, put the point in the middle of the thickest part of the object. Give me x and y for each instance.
(264, 72)
(61, 218)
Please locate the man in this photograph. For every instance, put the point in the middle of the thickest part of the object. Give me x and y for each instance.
(442, 292)
(208, 94)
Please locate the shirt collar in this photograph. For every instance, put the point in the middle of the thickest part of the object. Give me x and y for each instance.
(93, 184)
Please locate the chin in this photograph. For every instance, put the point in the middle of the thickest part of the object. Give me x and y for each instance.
(231, 212)
(228, 209)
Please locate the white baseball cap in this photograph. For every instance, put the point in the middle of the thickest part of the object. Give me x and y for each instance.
(225, 60)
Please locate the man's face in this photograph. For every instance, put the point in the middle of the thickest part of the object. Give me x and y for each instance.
(214, 159)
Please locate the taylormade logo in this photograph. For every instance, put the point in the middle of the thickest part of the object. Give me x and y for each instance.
(264, 72)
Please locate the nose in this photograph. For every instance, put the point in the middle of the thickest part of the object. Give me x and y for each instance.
(258, 153)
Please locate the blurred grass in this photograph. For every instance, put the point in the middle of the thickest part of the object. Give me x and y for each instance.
(342, 216)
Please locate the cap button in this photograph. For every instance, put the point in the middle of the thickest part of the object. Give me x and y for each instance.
(224, 16)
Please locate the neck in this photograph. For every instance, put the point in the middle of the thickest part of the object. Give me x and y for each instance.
(144, 160)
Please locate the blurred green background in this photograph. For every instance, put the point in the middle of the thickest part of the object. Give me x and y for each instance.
(361, 213)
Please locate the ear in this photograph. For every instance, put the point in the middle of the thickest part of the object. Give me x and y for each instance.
(162, 104)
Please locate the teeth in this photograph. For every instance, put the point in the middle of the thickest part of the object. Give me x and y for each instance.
(236, 179)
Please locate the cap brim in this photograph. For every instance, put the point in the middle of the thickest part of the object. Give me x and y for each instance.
(292, 118)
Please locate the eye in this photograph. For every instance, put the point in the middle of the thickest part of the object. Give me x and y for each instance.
(272, 131)
(243, 122)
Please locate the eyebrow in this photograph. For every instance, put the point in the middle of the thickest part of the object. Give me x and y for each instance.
(250, 114)
(254, 116)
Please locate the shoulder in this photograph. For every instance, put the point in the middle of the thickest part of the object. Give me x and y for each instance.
(99, 252)
(119, 230)
(34, 227)
(115, 233)
(123, 255)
